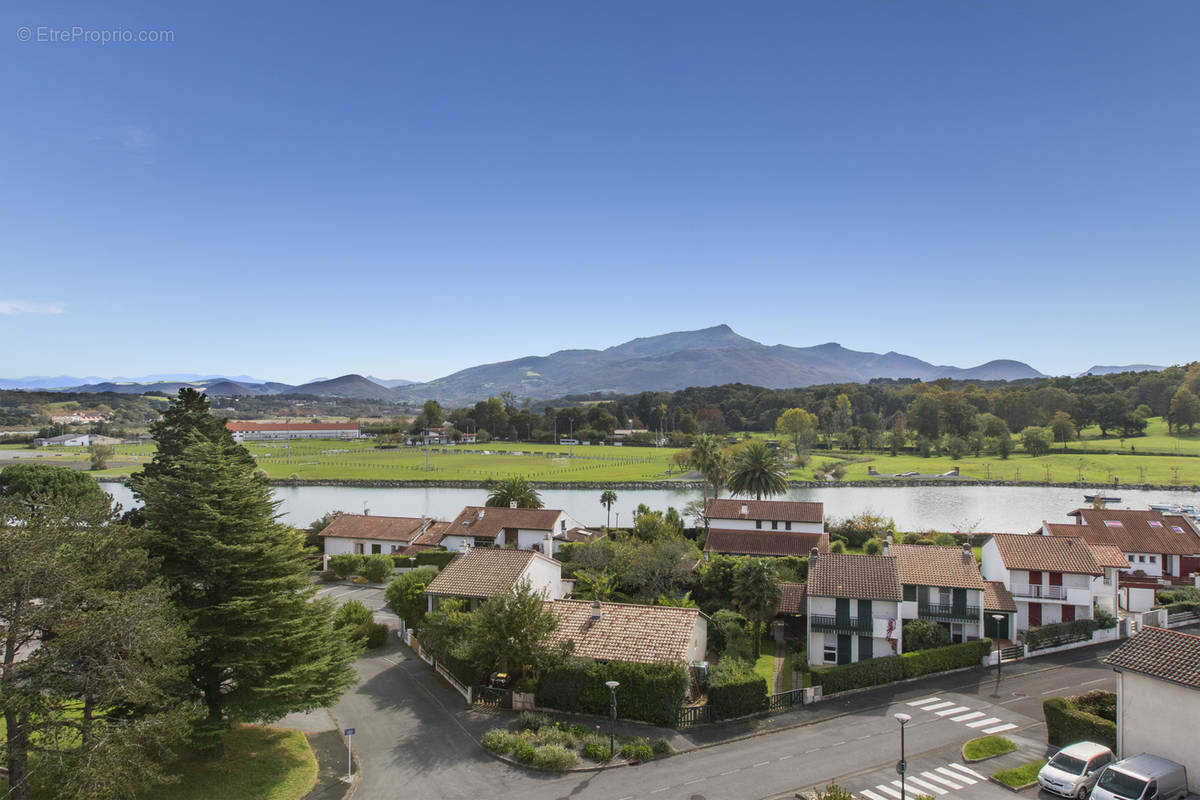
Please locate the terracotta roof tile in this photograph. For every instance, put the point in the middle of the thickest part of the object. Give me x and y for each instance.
(482, 572)
(997, 598)
(855, 576)
(1108, 555)
(782, 510)
(793, 598)
(364, 526)
(765, 543)
(625, 632)
(495, 520)
(1159, 653)
(1132, 531)
(1031, 551)
(930, 565)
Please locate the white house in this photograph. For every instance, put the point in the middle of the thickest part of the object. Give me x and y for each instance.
(483, 572)
(364, 534)
(522, 528)
(1156, 544)
(283, 431)
(731, 514)
(1049, 577)
(853, 608)
(631, 632)
(76, 440)
(942, 585)
(1158, 697)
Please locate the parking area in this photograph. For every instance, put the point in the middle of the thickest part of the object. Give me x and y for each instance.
(370, 596)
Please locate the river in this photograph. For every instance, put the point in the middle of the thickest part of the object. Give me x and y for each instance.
(993, 509)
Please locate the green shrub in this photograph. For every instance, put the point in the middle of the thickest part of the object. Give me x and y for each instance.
(377, 567)
(1058, 633)
(837, 547)
(893, 668)
(1066, 723)
(637, 752)
(648, 692)
(351, 614)
(500, 741)
(328, 576)
(941, 659)
(661, 747)
(345, 564)
(524, 751)
(435, 558)
(596, 749)
(370, 634)
(1106, 621)
(532, 721)
(921, 634)
(554, 757)
(735, 690)
(579, 731)
(1102, 704)
(872, 547)
(551, 734)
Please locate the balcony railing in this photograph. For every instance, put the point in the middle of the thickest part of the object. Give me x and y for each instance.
(1040, 591)
(829, 624)
(945, 611)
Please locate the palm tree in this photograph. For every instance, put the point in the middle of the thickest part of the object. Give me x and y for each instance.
(514, 490)
(756, 594)
(607, 498)
(707, 457)
(757, 470)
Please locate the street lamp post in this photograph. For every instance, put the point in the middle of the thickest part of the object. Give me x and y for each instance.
(901, 765)
(612, 715)
(998, 618)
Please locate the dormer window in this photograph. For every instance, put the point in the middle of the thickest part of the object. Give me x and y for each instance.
(1113, 523)
(1154, 523)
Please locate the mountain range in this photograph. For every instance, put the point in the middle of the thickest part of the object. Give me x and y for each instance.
(666, 362)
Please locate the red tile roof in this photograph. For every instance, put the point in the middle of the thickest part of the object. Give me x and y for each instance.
(793, 598)
(1108, 555)
(291, 426)
(364, 526)
(481, 521)
(782, 510)
(997, 598)
(624, 631)
(1031, 551)
(855, 576)
(1132, 531)
(1159, 653)
(765, 543)
(482, 572)
(930, 565)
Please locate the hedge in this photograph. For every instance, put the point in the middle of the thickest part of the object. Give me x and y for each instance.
(1058, 633)
(435, 558)
(1181, 607)
(734, 690)
(877, 671)
(1066, 723)
(648, 692)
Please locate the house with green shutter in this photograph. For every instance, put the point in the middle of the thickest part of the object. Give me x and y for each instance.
(853, 608)
(941, 585)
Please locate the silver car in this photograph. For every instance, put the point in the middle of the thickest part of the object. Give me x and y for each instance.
(1074, 770)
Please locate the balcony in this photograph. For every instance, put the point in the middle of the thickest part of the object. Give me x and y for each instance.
(948, 612)
(1040, 591)
(863, 626)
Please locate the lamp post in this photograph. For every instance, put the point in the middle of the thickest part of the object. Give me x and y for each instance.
(612, 715)
(901, 765)
(998, 618)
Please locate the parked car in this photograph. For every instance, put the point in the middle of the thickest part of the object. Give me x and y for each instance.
(1074, 770)
(1142, 777)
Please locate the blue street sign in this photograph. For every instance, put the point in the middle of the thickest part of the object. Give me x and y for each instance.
(349, 731)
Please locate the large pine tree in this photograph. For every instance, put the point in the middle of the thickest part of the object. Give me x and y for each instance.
(264, 645)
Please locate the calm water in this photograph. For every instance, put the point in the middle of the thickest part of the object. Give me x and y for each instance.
(1017, 509)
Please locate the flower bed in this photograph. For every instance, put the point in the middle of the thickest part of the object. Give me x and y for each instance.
(536, 740)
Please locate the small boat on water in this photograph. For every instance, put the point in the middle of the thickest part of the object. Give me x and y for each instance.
(1103, 498)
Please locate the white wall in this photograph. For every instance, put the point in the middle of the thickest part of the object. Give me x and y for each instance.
(749, 525)
(1142, 561)
(545, 576)
(1158, 717)
(992, 566)
(699, 643)
(881, 612)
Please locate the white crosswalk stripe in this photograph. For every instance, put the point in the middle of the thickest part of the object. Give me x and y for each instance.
(958, 776)
(940, 779)
(927, 786)
(867, 793)
(967, 770)
(923, 702)
(1008, 726)
(955, 710)
(936, 706)
(965, 717)
(979, 723)
(885, 788)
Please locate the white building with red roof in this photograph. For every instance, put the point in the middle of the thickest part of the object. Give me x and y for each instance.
(283, 431)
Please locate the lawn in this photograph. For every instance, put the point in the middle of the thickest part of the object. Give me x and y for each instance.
(259, 763)
(1156, 440)
(987, 747)
(1020, 776)
(765, 666)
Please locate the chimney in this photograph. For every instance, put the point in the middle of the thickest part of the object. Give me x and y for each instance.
(812, 556)
(548, 545)
(597, 611)
(480, 514)
(888, 539)
(745, 509)
(366, 512)
(887, 543)
(512, 503)
(968, 556)
(463, 547)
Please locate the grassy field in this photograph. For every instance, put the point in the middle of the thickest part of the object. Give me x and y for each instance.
(1156, 440)
(987, 747)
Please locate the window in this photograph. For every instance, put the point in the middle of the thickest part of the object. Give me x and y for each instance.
(1107, 577)
(376, 548)
(945, 597)
(1153, 523)
(358, 548)
(1141, 559)
(758, 524)
(1113, 523)
(830, 653)
(774, 524)
(1131, 559)
(787, 526)
(1153, 559)
(910, 594)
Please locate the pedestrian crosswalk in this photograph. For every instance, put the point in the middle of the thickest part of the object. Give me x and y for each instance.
(976, 720)
(935, 781)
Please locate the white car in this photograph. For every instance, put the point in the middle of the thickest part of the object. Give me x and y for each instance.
(1074, 770)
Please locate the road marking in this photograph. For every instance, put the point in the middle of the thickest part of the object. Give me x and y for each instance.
(955, 775)
(884, 788)
(860, 738)
(931, 787)
(663, 789)
(965, 717)
(923, 702)
(1008, 726)
(785, 758)
(813, 750)
(1016, 699)
(730, 772)
(1089, 683)
(967, 770)
(693, 780)
(867, 793)
(761, 764)
(936, 706)
(1059, 689)
(940, 779)
(979, 723)
(630, 797)
(950, 711)
(837, 744)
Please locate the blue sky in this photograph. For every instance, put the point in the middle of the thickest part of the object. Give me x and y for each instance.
(407, 189)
